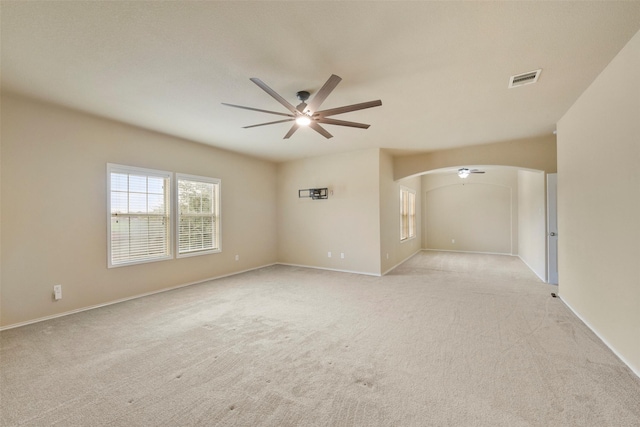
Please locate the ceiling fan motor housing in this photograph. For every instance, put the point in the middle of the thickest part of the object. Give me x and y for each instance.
(303, 95)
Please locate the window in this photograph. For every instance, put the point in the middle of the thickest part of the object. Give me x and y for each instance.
(198, 215)
(407, 213)
(139, 215)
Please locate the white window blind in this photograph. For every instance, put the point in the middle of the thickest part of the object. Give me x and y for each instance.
(198, 215)
(139, 215)
(407, 213)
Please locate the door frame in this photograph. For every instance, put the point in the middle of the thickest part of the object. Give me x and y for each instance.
(552, 228)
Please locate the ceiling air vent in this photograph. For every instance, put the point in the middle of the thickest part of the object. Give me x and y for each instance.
(524, 78)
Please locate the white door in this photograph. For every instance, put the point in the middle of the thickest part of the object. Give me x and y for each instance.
(552, 228)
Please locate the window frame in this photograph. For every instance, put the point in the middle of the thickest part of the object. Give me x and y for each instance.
(132, 170)
(408, 229)
(217, 214)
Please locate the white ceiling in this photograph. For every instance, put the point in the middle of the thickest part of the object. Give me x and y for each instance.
(441, 69)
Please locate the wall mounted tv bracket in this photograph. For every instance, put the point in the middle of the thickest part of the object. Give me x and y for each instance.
(314, 193)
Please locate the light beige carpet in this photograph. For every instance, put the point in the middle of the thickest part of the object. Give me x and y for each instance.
(445, 340)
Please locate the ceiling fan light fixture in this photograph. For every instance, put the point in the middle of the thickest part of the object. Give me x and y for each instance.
(303, 120)
(463, 173)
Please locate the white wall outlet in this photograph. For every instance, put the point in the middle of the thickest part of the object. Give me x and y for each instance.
(453, 240)
(328, 254)
(57, 292)
(387, 256)
(237, 257)
(342, 255)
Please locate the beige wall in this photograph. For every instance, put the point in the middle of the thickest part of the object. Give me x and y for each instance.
(480, 213)
(54, 218)
(347, 222)
(533, 153)
(532, 236)
(392, 250)
(53, 187)
(599, 205)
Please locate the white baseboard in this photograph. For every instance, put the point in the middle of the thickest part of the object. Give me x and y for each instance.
(634, 369)
(468, 252)
(91, 307)
(402, 262)
(329, 269)
(544, 279)
(351, 271)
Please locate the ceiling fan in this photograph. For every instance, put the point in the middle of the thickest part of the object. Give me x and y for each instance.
(308, 114)
(465, 172)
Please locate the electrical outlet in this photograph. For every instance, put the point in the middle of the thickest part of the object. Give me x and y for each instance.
(328, 254)
(237, 257)
(453, 240)
(387, 256)
(57, 292)
(342, 255)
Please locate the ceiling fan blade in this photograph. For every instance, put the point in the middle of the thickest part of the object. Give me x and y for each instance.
(257, 109)
(348, 108)
(324, 91)
(274, 94)
(291, 131)
(301, 106)
(315, 126)
(270, 123)
(329, 121)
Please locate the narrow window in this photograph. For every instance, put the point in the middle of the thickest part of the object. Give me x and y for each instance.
(198, 215)
(139, 225)
(407, 213)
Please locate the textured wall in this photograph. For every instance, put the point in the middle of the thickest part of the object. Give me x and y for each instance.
(392, 250)
(532, 213)
(54, 219)
(347, 222)
(480, 212)
(598, 205)
(533, 153)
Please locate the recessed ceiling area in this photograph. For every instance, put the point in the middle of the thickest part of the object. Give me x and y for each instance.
(441, 69)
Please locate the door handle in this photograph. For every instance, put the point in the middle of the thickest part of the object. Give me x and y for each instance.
(552, 234)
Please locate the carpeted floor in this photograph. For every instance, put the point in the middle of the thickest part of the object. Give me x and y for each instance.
(446, 339)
